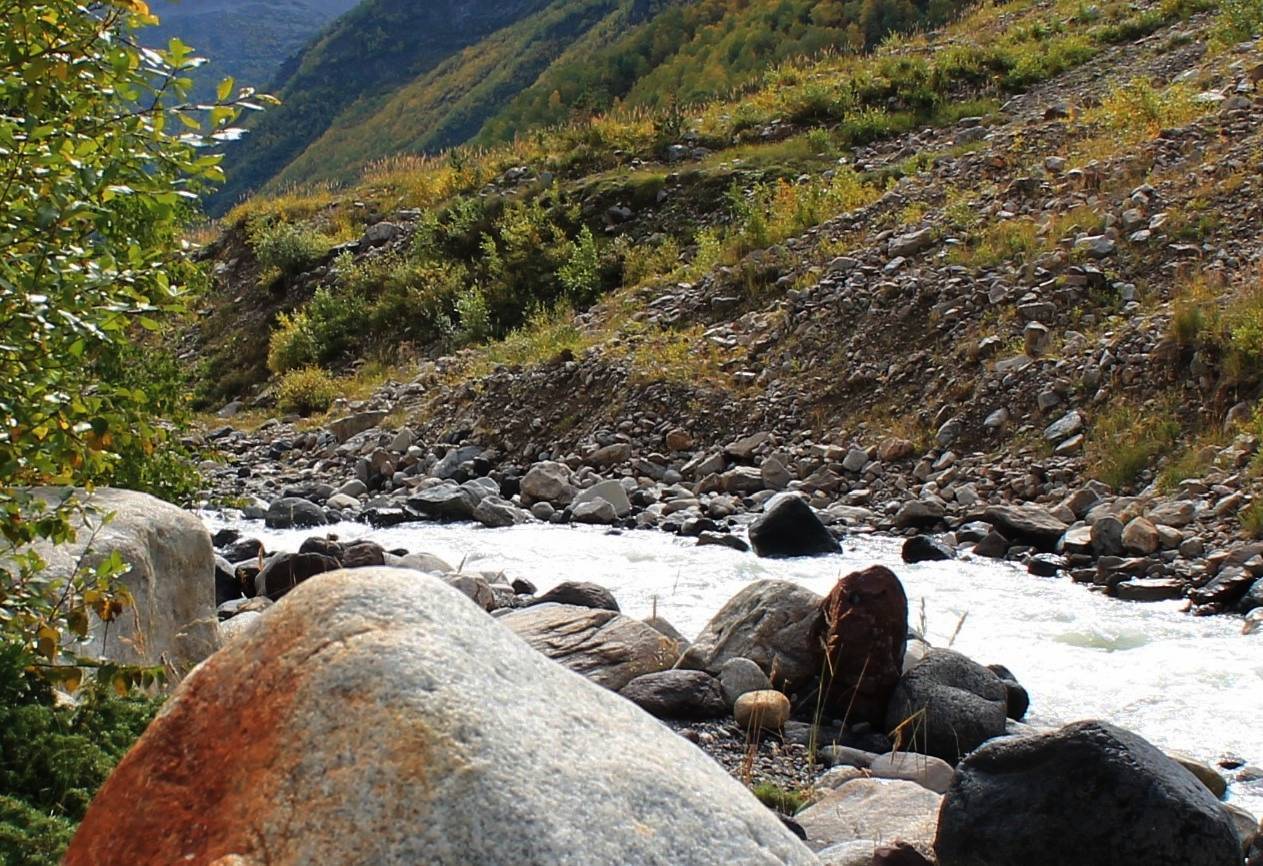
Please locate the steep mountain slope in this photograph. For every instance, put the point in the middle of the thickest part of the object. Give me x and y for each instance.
(356, 64)
(554, 62)
(449, 104)
(695, 51)
(246, 39)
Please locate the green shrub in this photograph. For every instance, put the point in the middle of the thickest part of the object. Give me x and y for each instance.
(1239, 20)
(164, 468)
(291, 344)
(91, 254)
(1251, 518)
(290, 248)
(306, 391)
(475, 323)
(581, 272)
(52, 760)
(1125, 439)
(780, 799)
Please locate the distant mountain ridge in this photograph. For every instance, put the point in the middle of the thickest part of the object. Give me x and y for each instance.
(249, 40)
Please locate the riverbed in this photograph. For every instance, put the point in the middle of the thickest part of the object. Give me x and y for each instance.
(1187, 683)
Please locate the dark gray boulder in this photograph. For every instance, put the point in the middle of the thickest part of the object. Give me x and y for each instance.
(1029, 524)
(240, 551)
(993, 546)
(284, 571)
(947, 706)
(580, 594)
(448, 501)
(1018, 699)
(1090, 794)
(227, 588)
(789, 526)
(923, 548)
(1253, 597)
(677, 694)
(363, 554)
(293, 513)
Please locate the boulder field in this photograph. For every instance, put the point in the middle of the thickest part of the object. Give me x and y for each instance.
(781, 496)
(418, 713)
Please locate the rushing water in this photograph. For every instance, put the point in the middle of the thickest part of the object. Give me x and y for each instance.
(1194, 684)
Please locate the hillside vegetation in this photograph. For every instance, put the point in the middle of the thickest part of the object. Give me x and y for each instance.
(1041, 206)
(362, 58)
(485, 76)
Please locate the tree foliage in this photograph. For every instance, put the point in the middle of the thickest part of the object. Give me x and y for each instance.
(52, 760)
(101, 159)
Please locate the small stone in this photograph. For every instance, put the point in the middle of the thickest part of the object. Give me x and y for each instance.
(1140, 537)
(1065, 426)
(765, 710)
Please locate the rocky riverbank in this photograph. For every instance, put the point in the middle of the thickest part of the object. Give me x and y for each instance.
(1148, 547)
(875, 747)
(411, 687)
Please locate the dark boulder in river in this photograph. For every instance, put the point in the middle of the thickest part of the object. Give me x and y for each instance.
(790, 527)
(947, 705)
(1090, 794)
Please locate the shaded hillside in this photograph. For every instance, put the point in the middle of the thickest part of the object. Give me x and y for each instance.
(357, 63)
(448, 105)
(246, 39)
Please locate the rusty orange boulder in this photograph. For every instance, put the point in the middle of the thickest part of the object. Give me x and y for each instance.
(865, 633)
(377, 716)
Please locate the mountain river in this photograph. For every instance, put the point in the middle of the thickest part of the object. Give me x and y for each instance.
(1194, 684)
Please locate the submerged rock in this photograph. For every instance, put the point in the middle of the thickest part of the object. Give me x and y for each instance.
(923, 548)
(393, 723)
(293, 513)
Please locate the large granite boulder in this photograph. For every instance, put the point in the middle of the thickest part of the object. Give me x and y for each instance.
(947, 705)
(789, 527)
(388, 721)
(603, 645)
(1090, 794)
(775, 624)
(170, 576)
